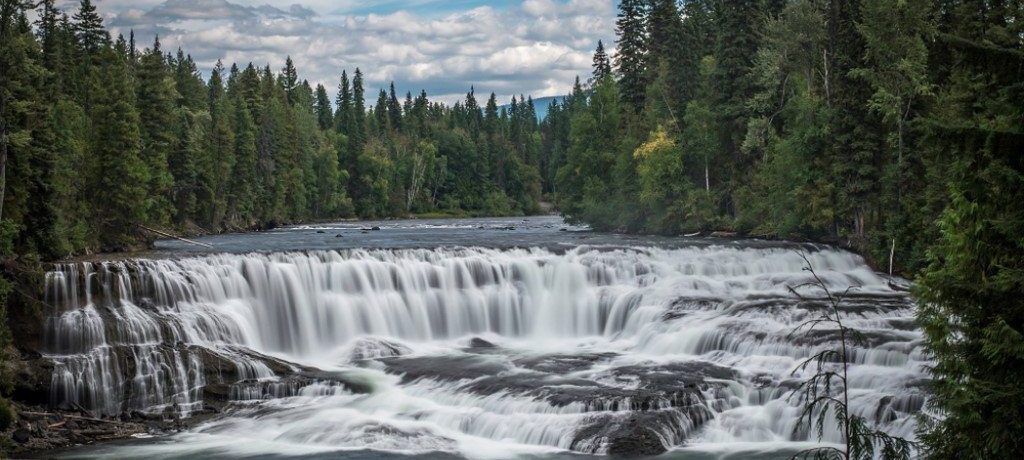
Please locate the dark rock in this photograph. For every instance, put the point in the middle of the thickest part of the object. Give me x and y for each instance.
(445, 368)
(320, 231)
(635, 440)
(339, 236)
(561, 363)
(375, 228)
(32, 378)
(21, 435)
(477, 342)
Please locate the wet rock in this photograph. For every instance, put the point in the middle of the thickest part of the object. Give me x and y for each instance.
(339, 236)
(631, 435)
(320, 231)
(477, 342)
(445, 368)
(562, 363)
(374, 348)
(375, 228)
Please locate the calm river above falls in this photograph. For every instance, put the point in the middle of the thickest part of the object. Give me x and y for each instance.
(479, 338)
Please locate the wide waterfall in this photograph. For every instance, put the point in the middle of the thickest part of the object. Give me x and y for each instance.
(470, 350)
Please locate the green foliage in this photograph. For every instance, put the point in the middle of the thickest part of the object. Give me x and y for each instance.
(827, 391)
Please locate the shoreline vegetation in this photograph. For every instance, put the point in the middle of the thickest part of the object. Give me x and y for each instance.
(893, 129)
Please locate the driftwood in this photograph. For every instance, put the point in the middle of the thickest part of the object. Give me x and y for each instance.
(70, 417)
(168, 235)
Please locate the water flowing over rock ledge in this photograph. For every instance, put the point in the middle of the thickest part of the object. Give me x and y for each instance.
(612, 350)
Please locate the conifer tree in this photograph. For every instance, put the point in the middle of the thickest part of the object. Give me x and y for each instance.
(322, 106)
(343, 103)
(119, 191)
(630, 57)
(602, 66)
(89, 28)
(155, 101)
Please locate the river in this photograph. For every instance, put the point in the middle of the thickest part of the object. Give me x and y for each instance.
(471, 338)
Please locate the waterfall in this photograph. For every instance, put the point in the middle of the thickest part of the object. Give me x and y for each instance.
(693, 342)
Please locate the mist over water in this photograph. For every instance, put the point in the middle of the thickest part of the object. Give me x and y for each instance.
(468, 351)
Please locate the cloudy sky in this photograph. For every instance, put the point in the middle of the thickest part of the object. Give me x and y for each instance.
(533, 47)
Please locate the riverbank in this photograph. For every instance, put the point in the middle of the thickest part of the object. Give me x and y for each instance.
(40, 431)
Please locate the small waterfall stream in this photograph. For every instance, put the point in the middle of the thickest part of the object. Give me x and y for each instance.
(419, 350)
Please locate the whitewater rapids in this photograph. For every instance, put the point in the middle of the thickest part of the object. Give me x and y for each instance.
(475, 352)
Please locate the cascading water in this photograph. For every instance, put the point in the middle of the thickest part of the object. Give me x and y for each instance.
(595, 350)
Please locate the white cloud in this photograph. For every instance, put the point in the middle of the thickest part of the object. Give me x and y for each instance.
(536, 47)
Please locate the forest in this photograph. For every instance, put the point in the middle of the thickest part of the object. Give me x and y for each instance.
(891, 127)
(105, 137)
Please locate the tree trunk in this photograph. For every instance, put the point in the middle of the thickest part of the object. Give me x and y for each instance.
(707, 176)
(3, 154)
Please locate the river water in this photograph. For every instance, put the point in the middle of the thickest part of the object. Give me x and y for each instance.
(475, 338)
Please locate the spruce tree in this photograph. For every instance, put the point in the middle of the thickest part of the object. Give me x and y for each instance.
(243, 188)
(631, 56)
(322, 106)
(343, 103)
(394, 109)
(357, 137)
(602, 66)
(89, 28)
(289, 79)
(119, 190)
(155, 101)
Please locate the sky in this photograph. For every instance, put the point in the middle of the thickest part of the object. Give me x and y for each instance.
(509, 47)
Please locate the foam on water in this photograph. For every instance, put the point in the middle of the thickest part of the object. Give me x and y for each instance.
(586, 340)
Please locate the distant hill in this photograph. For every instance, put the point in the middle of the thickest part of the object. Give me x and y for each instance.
(541, 104)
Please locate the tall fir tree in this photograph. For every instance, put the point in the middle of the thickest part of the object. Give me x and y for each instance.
(89, 28)
(630, 57)
(155, 96)
(602, 67)
(119, 190)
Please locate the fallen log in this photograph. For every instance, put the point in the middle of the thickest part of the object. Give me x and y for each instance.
(69, 416)
(168, 235)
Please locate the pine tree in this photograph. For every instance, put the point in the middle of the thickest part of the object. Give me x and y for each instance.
(155, 101)
(289, 79)
(602, 66)
(343, 114)
(219, 155)
(357, 137)
(630, 58)
(734, 57)
(322, 106)
(394, 109)
(243, 185)
(89, 28)
(119, 191)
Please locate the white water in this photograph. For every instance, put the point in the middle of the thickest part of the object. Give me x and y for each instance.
(127, 336)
